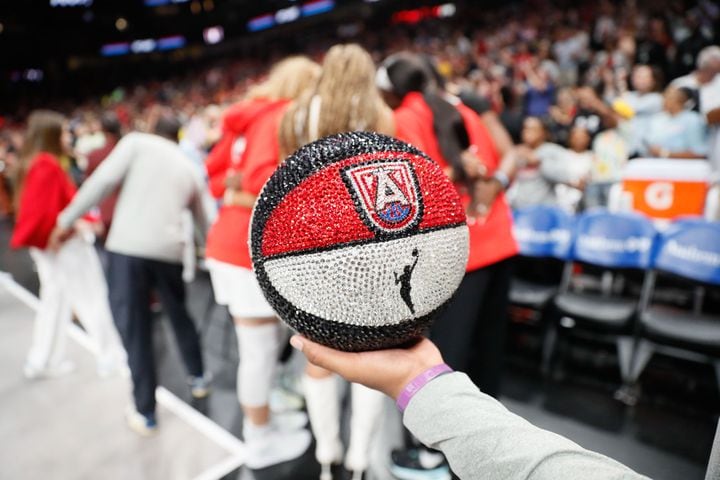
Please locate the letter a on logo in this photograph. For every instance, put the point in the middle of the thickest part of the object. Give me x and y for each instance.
(386, 193)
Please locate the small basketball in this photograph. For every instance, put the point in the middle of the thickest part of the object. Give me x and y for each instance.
(358, 240)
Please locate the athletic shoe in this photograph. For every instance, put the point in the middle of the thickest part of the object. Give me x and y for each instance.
(143, 425)
(419, 464)
(268, 446)
(33, 372)
(200, 386)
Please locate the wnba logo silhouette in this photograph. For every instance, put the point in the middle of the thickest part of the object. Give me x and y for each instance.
(386, 193)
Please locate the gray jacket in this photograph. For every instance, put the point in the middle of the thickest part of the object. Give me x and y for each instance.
(158, 183)
(482, 440)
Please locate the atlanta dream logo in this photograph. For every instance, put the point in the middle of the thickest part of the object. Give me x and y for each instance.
(386, 193)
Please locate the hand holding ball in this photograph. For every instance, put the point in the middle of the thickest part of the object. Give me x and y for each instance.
(358, 240)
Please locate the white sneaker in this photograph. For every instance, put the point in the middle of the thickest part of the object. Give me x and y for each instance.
(33, 372)
(268, 446)
(143, 425)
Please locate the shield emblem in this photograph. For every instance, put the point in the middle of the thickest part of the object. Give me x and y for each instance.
(386, 193)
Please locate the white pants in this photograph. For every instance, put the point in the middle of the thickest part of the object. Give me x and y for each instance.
(72, 280)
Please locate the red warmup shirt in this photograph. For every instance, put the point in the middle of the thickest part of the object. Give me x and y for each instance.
(491, 240)
(258, 121)
(46, 192)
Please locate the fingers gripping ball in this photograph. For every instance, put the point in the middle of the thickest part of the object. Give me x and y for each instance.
(358, 240)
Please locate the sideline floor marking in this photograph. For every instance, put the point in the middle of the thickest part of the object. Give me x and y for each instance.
(164, 396)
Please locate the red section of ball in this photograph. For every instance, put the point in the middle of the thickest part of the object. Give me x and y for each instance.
(348, 202)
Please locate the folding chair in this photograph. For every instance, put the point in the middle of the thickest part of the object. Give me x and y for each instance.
(616, 244)
(690, 251)
(543, 234)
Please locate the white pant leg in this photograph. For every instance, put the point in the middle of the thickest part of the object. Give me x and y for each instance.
(367, 407)
(53, 315)
(87, 292)
(323, 405)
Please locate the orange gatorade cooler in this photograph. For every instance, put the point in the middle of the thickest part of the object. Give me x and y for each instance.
(665, 188)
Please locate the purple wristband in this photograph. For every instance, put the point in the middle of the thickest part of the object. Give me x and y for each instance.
(418, 383)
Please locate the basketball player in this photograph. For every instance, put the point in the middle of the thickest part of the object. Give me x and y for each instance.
(238, 167)
(471, 332)
(344, 100)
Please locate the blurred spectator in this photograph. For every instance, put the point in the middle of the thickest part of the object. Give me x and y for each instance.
(677, 131)
(710, 108)
(88, 137)
(592, 113)
(696, 39)
(540, 93)
(643, 100)
(112, 131)
(653, 44)
(511, 115)
(562, 115)
(543, 166)
(146, 245)
(43, 189)
(708, 66)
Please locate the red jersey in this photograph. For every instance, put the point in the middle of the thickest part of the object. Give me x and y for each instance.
(491, 239)
(258, 121)
(46, 192)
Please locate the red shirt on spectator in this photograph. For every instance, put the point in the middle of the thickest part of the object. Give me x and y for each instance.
(491, 239)
(258, 121)
(94, 159)
(47, 190)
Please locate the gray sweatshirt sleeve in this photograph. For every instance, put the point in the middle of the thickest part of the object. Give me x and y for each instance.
(101, 183)
(555, 163)
(482, 439)
(200, 211)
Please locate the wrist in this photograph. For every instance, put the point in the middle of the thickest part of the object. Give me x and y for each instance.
(418, 381)
(502, 179)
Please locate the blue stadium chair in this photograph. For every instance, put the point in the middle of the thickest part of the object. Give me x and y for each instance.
(690, 252)
(617, 246)
(543, 234)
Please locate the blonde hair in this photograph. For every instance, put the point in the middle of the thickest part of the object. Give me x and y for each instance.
(345, 99)
(288, 79)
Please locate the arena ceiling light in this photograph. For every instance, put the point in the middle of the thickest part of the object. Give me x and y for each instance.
(213, 35)
(121, 24)
(289, 15)
(71, 3)
(143, 45)
(160, 3)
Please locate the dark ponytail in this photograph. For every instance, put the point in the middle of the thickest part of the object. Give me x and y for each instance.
(450, 131)
(409, 73)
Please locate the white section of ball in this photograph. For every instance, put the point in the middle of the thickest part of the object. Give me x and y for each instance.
(375, 284)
